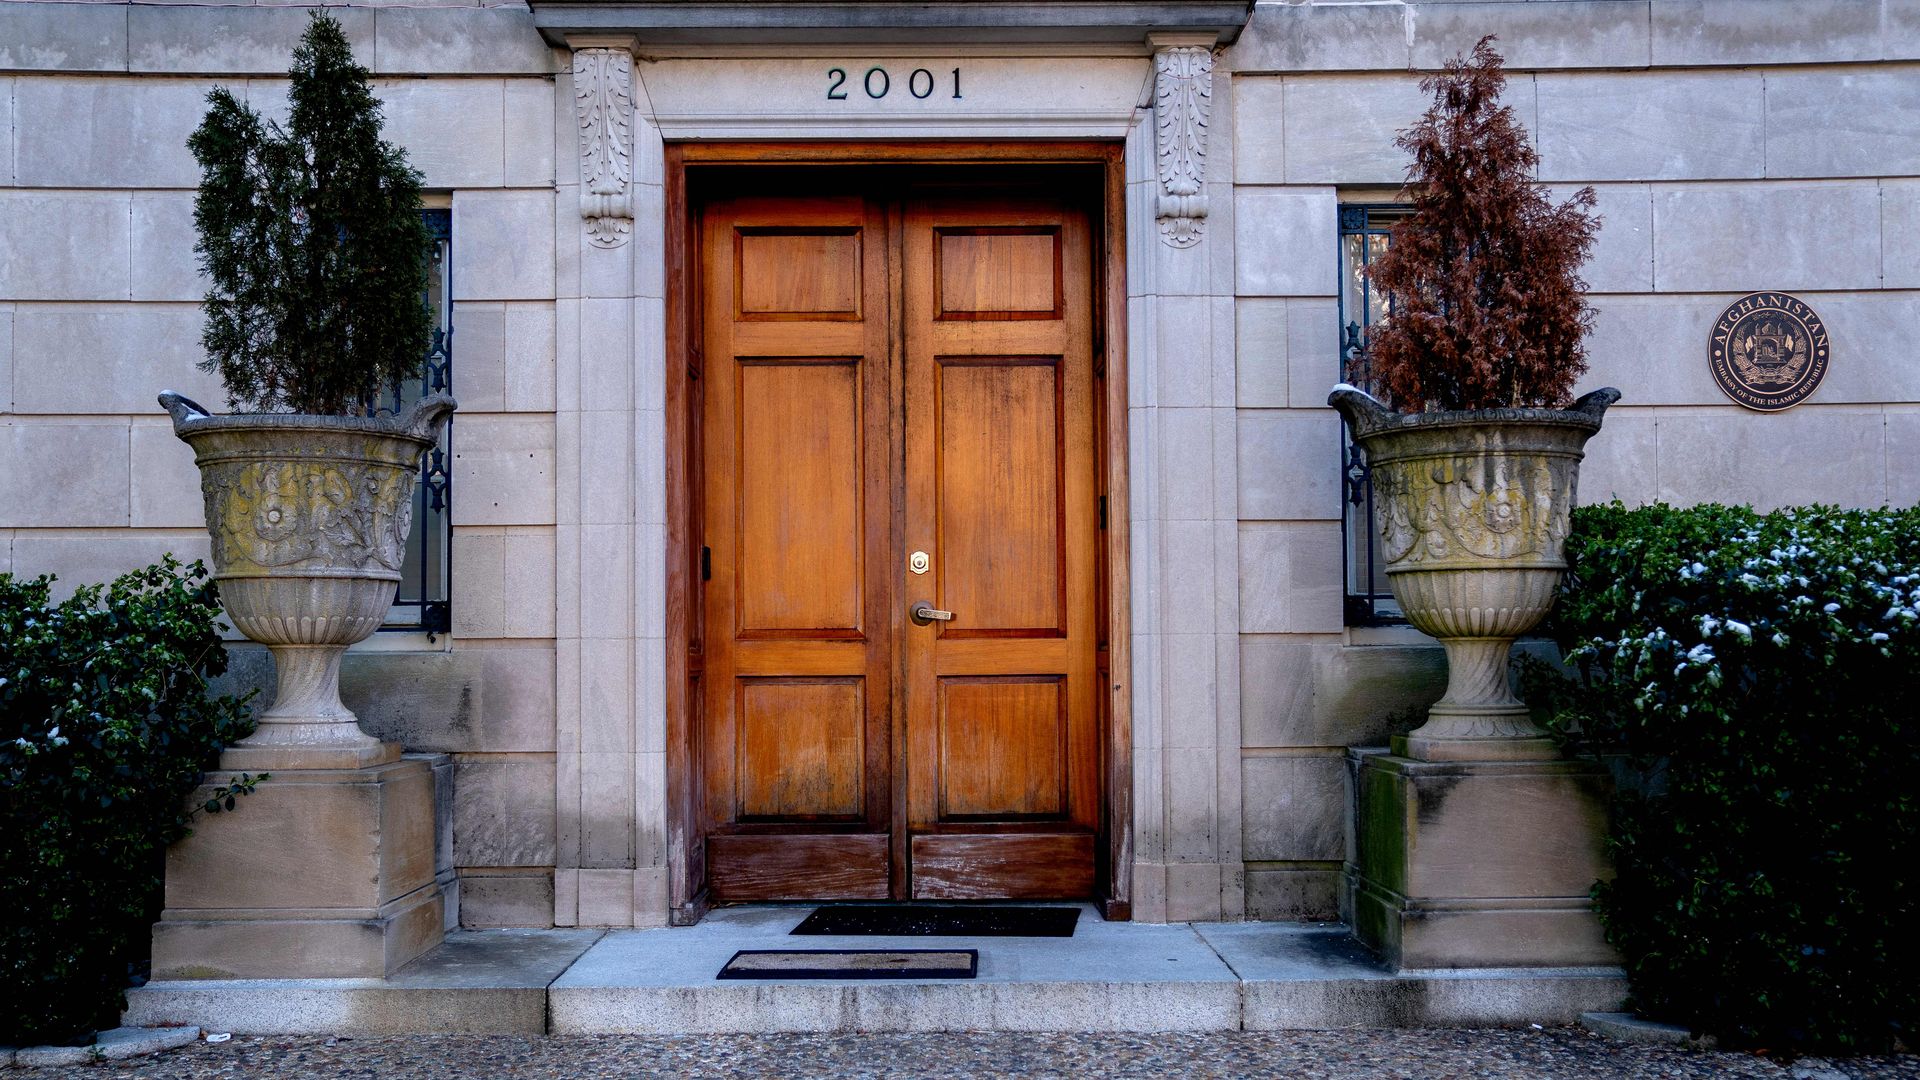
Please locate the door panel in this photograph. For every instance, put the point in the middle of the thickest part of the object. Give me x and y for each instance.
(883, 376)
(997, 272)
(1003, 787)
(798, 480)
(998, 462)
(1003, 747)
(798, 866)
(797, 272)
(798, 688)
(1009, 866)
(802, 748)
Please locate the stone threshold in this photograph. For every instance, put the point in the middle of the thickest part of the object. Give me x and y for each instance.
(1107, 977)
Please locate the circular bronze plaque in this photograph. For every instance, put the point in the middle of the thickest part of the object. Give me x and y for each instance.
(1768, 351)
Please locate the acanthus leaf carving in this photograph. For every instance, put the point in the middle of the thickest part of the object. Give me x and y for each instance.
(1182, 107)
(603, 100)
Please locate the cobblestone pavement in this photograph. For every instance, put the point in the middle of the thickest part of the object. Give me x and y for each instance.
(1308, 1055)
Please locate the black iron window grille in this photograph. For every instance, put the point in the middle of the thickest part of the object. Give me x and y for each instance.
(1363, 238)
(423, 602)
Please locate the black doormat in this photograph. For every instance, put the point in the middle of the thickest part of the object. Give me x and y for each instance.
(924, 920)
(851, 964)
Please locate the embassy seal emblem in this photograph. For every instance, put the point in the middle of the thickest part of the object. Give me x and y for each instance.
(1768, 351)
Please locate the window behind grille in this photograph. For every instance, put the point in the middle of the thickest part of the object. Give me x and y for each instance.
(422, 602)
(1363, 238)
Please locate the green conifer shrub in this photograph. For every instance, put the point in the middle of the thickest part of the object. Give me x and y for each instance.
(106, 724)
(312, 237)
(1756, 677)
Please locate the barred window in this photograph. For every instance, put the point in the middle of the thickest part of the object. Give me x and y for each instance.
(1363, 238)
(425, 577)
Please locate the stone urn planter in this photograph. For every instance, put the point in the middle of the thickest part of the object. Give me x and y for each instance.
(1473, 510)
(309, 517)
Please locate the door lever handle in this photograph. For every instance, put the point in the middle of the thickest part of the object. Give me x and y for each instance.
(923, 613)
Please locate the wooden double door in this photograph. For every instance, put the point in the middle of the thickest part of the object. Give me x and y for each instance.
(898, 425)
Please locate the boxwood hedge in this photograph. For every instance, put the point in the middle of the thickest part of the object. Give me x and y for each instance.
(105, 726)
(1758, 675)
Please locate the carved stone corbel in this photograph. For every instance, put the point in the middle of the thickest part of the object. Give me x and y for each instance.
(1182, 102)
(603, 101)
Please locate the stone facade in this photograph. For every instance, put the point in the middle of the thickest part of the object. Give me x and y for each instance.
(1730, 154)
(1736, 145)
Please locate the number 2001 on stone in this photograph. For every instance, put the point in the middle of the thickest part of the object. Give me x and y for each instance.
(877, 83)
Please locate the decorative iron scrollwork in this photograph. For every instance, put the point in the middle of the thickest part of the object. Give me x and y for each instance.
(1352, 360)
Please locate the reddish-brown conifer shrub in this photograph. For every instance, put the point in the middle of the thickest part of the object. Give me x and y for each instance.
(1486, 307)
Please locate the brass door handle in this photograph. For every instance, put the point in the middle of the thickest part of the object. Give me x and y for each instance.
(923, 613)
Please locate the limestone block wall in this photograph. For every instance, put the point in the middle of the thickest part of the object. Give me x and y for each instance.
(1736, 145)
(99, 312)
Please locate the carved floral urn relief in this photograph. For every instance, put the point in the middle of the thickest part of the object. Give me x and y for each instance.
(309, 517)
(1473, 521)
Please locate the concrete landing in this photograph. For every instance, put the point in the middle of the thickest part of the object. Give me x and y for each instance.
(1107, 977)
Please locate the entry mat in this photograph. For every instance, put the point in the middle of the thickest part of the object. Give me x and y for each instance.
(852, 964)
(941, 920)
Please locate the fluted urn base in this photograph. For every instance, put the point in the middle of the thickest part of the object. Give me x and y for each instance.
(1477, 615)
(308, 623)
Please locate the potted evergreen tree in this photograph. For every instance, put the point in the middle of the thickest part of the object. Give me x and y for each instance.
(312, 237)
(1475, 451)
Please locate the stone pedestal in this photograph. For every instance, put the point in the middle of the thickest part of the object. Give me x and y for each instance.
(320, 873)
(1483, 864)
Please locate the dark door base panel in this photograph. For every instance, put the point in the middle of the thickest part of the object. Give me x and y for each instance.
(1021, 866)
(852, 866)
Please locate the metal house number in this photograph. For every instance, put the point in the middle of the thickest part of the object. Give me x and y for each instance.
(878, 82)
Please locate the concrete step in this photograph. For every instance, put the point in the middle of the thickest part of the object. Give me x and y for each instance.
(477, 981)
(1107, 977)
(1315, 976)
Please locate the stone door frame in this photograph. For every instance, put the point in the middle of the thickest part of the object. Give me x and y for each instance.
(622, 852)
